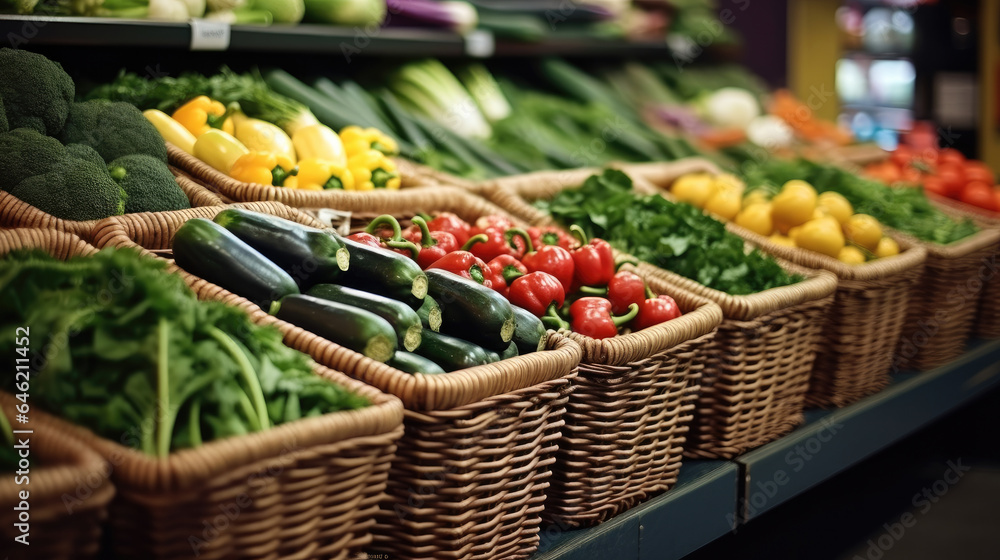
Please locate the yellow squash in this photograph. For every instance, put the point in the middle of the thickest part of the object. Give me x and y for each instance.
(171, 130)
(219, 150)
(319, 142)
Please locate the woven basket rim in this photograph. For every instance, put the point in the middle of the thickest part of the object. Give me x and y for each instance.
(956, 249)
(956, 208)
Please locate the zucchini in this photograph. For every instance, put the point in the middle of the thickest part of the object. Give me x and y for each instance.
(471, 310)
(402, 317)
(309, 255)
(510, 352)
(209, 251)
(430, 314)
(453, 353)
(529, 332)
(384, 272)
(412, 363)
(348, 326)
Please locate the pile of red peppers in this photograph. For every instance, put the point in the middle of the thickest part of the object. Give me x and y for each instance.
(567, 280)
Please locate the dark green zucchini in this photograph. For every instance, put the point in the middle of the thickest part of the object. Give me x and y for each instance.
(348, 326)
(510, 352)
(412, 363)
(471, 310)
(402, 317)
(311, 256)
(384, 272)
(529, 332)
(453, 353)
(209, 251)
(430, 314)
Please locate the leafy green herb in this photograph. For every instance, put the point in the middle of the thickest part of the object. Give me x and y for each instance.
(127, 350)
(677, 237)
(904, 209)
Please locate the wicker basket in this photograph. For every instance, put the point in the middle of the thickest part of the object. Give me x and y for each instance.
(15, 213)
(758, 366)
(865, 322)
(68, 493)
(306, 489)
(988, 317)
(471, 471)
(413, 175)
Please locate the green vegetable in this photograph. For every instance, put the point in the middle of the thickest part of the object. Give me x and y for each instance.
(309, 255)
(284, 11)
(4, 125)
(510, 352)
(677, 237)
(209, 251)
(146, 363)
(114, 129)
(402, 317)
(529, 332)
(345, 12)
(25, 152)
(73, 190)
(412, 363)
(86, 153)
(428, 88)
(384, 272)
(148, 183)
(453, 353)
(36, 91)
(430, 314)
(903, 209)
(471, 311)
(348, 326)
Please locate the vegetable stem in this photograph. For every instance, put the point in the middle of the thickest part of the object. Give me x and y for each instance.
(164, 425)
(249, 375)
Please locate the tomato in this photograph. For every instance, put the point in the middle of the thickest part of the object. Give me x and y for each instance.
(902, 156)
(978, 171)
(934, 184)
(951, 155)
(929, 156)
(996, 196)
(891, 173)
(979, 194)
(953, 178)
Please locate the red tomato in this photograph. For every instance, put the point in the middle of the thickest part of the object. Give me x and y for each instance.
(902, 156)
(979, 194)
(950, 155)
(890, 172)
(933, 184)
(929, 156)
(978, 171)
(953, 178)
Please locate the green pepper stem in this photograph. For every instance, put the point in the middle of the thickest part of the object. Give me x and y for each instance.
(426, 217)
(594, 290)
(404, 244)
(477, 274)
(478, 238)
(552, 316)
(622, 263)
(425, 233)
(275, 307)
(385, 220)
(649, 293)
(510, 273)
(633, 310)
(518, 232)
(579, 234)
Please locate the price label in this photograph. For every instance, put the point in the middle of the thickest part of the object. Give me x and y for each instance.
(209, 35)
(479, 44)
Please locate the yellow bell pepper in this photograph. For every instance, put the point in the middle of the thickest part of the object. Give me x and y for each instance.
(262, 168)
(171, 130)
(318, 175)
(202, 114)
(262, 136)
(372, 170)
(319, 142)
(219, 150)
(357, 140)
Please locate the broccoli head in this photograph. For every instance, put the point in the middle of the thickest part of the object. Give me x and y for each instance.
(36, 92)
(73, 190)
(148, 183)
(24, 152)
(3, 118)
(84, 152)
(114, 129)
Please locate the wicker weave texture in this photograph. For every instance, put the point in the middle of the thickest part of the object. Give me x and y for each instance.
(755, 380)
(306, 489)
(15, 213)
(69, 492)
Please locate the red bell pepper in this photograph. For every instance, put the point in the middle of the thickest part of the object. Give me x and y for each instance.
(592, 316)
(492, 222)
(466, 265)
(624, 289)
(540, 293)
(396, 242)
(488, 244)
(446, 221)
(505, 269)
(594, 261)
(366, 239)
(550, 235)
(433, 244)
(550, 258)
(656, 310)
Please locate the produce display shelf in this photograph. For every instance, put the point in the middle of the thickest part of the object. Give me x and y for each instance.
(348, 42)
(698, 509)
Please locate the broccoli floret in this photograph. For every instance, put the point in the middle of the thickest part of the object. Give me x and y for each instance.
(36, 92)
(84, 152)
(148, 183)
(3, 118)
(114, 129)
(73, 190)
(24, 152)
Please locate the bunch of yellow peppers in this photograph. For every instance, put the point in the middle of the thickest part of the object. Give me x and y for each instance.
(250, 150)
